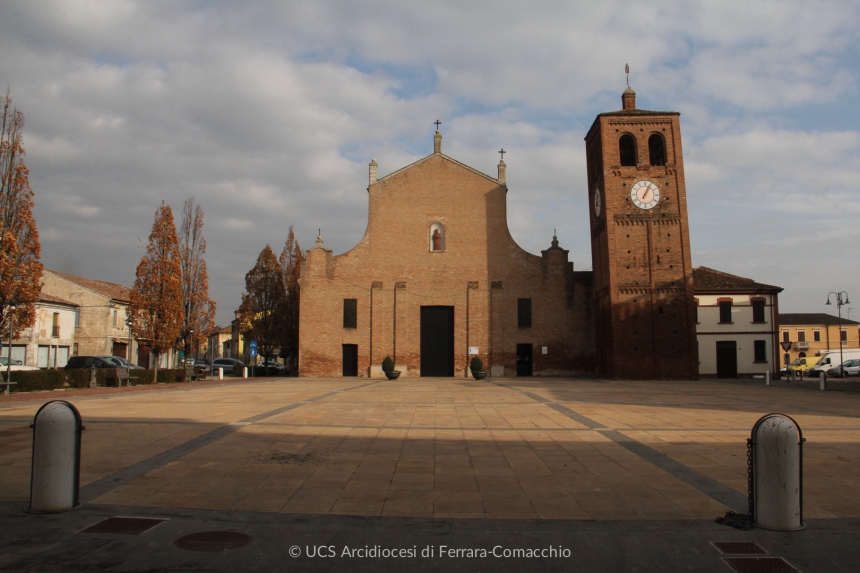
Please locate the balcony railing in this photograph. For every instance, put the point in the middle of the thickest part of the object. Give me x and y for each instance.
(801, 346)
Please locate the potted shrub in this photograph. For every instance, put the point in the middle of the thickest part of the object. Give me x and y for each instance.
(388, 368)
(477, 368)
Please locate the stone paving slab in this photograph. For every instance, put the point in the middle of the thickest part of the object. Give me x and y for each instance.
(419, 452)
(338, 543)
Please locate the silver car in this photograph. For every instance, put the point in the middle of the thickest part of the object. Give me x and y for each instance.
(848, 368)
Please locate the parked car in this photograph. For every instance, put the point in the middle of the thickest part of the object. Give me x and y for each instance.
(90, 362)
(201, 364)
(16, 365)
(122, 362)
(801, 364)
(228, 364)
(272, 364)
(831, 358)
(847, 368)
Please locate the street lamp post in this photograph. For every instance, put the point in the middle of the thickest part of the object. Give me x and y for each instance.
(840, 300)
(128, 323)
(12, 306)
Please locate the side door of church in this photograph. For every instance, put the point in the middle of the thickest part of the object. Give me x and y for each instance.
(524, 359)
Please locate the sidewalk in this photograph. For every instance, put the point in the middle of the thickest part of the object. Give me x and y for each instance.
(629, 475)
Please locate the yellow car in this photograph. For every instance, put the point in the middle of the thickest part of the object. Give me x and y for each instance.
(801, 364)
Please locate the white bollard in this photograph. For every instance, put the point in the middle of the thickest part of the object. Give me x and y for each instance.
(93, 382)
(56, 463)
(245, 372)
(777, 480)
(767, 378)
(822, 381)
(220, 374)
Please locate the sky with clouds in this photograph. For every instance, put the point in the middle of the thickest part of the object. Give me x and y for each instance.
(267, 113)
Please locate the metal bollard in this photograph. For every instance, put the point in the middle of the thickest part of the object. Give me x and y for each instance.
(767, 378)
(245, 372)
(794, 375)
(776, 473)
(220, 374)
(56, 466)
(822, 381)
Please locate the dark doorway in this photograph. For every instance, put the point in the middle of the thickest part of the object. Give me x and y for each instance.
(143, 357)
(727, 359)
(437, 341)
(350, 359)
(524, 359)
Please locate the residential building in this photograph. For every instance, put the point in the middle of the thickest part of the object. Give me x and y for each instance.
(99, 324)
(51, 339)
(811, 333)
(219, 343)
(736, 324)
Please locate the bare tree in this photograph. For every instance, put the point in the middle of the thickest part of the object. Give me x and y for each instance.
(198, 310)
(291, 267)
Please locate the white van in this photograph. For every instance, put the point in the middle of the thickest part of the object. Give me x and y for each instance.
(829, 359)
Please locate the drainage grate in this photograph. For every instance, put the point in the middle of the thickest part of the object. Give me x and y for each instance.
(213, 541)
(760, 565)
(739, 548)
(123, 525)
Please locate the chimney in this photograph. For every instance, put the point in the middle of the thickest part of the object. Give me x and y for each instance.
(374, 169)
(628, 99)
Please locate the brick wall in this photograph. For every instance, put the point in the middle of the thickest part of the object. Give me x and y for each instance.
(392, 272)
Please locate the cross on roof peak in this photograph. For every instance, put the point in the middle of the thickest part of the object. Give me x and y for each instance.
(502, 153)
(438, 123)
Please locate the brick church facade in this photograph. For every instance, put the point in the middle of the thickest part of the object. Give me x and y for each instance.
(437, 277)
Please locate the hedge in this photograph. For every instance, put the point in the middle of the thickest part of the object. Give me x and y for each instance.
(31, 380)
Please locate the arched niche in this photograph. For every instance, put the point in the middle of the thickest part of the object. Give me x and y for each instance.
(657, 149)
(437, 237)
(627, 150)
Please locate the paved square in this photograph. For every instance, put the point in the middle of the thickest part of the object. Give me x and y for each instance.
(547, 449)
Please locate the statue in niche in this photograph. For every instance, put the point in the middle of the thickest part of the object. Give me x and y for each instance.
(437, 240)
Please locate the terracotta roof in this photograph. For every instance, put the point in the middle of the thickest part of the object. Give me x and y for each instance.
(798, 318)
(637, 112)
(110, 290)
(707, 280)
(55, 299)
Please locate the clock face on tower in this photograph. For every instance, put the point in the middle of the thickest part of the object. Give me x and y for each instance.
(645, 194)
(597, 202)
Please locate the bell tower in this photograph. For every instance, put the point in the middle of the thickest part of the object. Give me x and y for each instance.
(645, 315)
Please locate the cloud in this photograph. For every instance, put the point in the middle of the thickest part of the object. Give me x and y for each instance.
(269, 114)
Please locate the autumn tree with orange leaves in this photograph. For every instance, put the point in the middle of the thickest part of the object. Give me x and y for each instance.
(291, 267)
(20, 269)
(198, 310)
(261, 314)
(156, 297)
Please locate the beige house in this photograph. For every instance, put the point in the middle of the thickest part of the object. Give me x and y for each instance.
(51, 339)
(736, 324)
(219, 343)
(811, 333)
(99, 323)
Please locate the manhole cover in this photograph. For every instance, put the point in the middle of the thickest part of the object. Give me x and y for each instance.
(123, 525)
(760, 565)
(739, 548)
(213, 541)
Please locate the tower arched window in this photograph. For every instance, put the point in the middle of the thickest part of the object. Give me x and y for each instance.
(657, 149)
(627, 149)
(437, 237)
